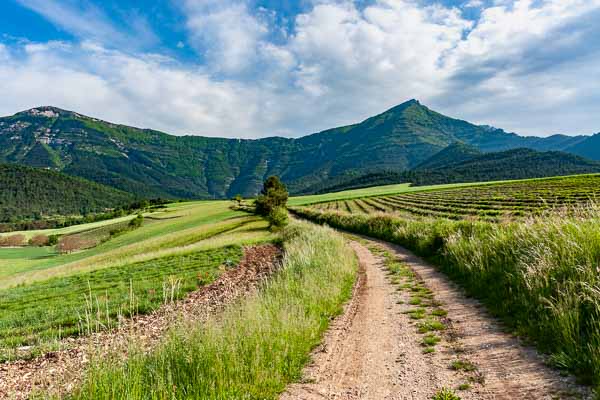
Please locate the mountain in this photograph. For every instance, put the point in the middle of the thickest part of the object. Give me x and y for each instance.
(29, 193)
(149, 163)
(510, 164)
(452, 154)
(469, 166)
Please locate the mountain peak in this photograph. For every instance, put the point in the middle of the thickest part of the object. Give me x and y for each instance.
(45, 111)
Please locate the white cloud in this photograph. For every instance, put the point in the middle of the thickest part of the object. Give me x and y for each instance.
(143, 91)
(473, 4)
(225, 32)
(524, 65)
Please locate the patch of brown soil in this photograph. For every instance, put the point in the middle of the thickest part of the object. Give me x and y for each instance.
(59, 372)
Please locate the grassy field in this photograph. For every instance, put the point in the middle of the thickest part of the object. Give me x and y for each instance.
(45, 295)
(182, 228)
(255, 348)
(69, 229)
(83, 303)
(486, 201)
(540, 274)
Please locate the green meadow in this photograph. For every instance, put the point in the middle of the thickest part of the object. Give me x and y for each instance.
(46, 296)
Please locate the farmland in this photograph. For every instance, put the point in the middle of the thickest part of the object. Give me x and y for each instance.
(491, 202)
(47, 295)
(528, 250)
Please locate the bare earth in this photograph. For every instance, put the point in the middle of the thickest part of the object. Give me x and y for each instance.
(373, 350)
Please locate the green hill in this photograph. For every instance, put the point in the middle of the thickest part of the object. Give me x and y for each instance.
(460, 163)
(31, 193)
(452, 154)
(149, 163)
(505, 165)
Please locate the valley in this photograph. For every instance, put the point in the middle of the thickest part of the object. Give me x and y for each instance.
(196, 272)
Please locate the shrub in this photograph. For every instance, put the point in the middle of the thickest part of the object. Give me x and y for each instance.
(278, 218)
(273, 194)
(12, 241)
(39, 240)
(136, 222)
(53, 240)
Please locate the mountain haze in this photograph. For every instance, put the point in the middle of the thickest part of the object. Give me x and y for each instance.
(150, 163)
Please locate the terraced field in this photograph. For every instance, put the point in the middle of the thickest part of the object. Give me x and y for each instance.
(490, 202)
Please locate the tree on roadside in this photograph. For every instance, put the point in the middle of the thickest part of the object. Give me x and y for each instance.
(271, 203)
(273, 194)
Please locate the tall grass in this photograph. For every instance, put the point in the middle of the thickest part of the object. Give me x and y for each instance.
(541, 275)
(257, 346)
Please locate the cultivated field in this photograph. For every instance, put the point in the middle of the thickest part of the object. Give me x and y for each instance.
(528, 249)
(177, 306)
(46, 296)
(485, 201)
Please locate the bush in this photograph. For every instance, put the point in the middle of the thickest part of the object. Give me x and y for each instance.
(278, 218)
(136, 222)
(273, 194)
(53, 240)
(39, 241)
(12, 241)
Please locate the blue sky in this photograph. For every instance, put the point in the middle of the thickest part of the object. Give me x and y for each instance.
(255, 68)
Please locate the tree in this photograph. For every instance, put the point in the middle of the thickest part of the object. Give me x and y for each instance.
(39, 240)
(12, 241)
(278, 218)
(273, 194)
(68, 244)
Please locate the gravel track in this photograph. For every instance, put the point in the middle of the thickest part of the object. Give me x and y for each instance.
(373, 350)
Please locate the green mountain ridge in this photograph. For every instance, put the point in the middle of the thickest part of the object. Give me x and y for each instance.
(150, 163)
(33, 193)
(462, 163)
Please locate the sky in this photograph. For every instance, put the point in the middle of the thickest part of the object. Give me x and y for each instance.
(257, 68)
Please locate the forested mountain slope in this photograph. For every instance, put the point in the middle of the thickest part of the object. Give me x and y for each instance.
(149, 163)
(32, 193)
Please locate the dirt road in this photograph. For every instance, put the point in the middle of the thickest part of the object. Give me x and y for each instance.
(375, 351)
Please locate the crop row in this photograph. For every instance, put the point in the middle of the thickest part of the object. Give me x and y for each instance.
(490, 202)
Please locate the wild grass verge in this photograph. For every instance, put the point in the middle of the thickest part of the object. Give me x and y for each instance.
(541, 276)
(255, 348)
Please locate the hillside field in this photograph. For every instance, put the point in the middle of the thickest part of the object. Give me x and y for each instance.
(46, 295)
(490, 201)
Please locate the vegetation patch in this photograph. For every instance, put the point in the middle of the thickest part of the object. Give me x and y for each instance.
(539, 275)
(256, 347)
(45, 311)
(445, 394)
